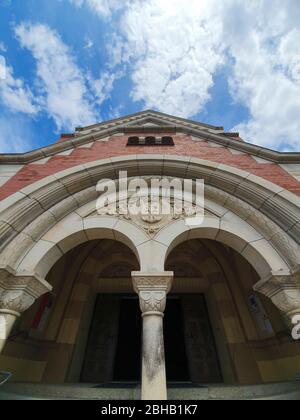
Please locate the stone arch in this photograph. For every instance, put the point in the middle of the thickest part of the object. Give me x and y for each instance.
(242, 237)
(268, 214)
(73, 231)
(27, 215)
(225, 281)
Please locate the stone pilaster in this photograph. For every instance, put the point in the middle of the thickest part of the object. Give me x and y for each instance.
(17, 294)
(284, 291)
(152, 289)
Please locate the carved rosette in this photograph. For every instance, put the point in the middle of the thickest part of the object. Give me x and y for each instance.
(284, 291)
(18, 293)
(152, 290)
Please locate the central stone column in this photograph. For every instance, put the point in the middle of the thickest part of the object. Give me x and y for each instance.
(152, 289)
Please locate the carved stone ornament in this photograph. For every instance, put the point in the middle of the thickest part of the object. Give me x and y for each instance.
(153, 301)
(18, 293)
(152, 290)
(284, 291)
(153, 215)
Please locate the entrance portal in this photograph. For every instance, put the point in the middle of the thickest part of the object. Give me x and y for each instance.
(128, 356)
(113, 351)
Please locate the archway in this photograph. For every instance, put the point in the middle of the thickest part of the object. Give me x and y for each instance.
(80, 324)
(227, 327)
(47, 219)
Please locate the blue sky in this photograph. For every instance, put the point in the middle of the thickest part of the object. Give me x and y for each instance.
(68, 63)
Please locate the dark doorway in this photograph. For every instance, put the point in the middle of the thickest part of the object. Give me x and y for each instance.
(128, 355)
(113, 351)
(201, 348)
(175, 351)
(100, 350)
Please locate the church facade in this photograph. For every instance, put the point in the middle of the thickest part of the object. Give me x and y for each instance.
(88, 297)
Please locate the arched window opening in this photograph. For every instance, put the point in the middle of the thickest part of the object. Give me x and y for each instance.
(133, 141)
(150, 141)
(167, 141)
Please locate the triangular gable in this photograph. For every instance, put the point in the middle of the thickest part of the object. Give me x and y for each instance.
(147, 121)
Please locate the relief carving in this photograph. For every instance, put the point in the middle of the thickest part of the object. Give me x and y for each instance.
(153, 301)
(284, 292)
(155, 215)
(152, 290)
(18, 293)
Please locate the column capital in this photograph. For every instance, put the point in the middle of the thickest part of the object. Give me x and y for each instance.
(152, 281)
(152, 289)
(283, 288)
(18, 291)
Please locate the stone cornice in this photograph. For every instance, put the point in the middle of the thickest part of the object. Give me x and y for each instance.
(127, 124)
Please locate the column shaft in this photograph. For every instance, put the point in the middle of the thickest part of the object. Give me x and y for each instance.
(152, 289)
(154, 385)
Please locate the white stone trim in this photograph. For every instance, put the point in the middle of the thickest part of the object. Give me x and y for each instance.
(293, 170)
(7, 172)
(236, 152)
(66, 153)
(42, 161)
(260, 160)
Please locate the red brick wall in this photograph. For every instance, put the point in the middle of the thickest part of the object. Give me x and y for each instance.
(116, 146)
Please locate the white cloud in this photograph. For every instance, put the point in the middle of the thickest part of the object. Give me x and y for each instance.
(88, 43)
(103, 87)
(265, 45)
(14, 94)
(2, 68)
(103, 8)
(63, 86)
(3, 47)
(175, 48)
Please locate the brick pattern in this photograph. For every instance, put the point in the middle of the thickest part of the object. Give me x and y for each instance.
(117, 146)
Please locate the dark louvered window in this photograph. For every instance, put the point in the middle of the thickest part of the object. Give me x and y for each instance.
(133, 141)
(167, 141)
(150, 141)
